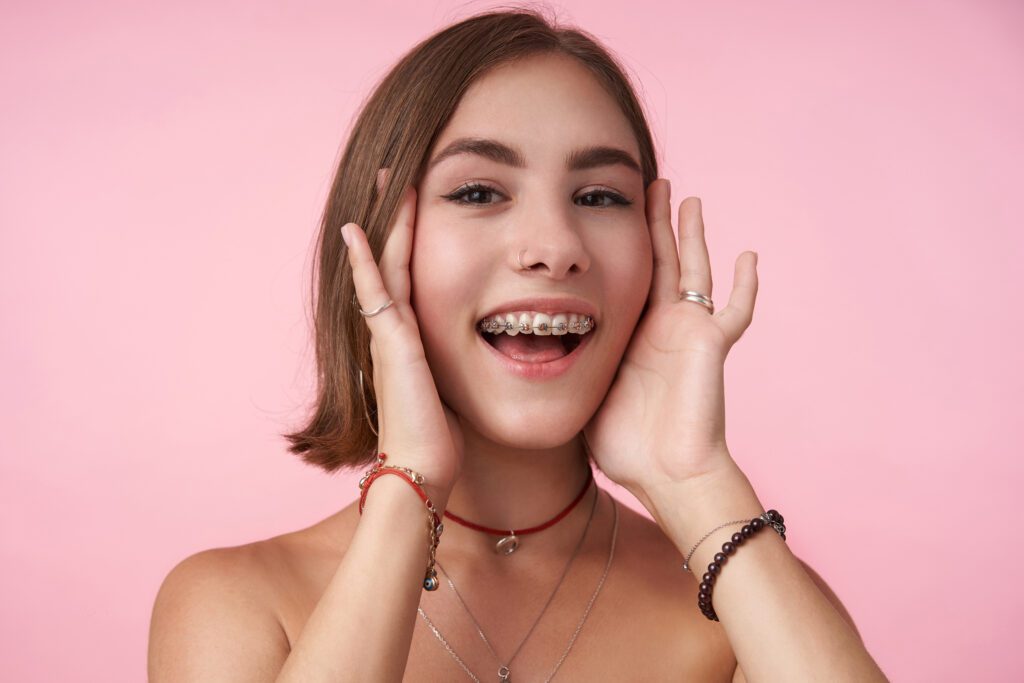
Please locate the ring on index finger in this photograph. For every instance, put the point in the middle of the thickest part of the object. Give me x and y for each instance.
(376, 311)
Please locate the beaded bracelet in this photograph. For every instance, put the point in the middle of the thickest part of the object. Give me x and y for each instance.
(686, 562)
(434, 525)
(771, 518)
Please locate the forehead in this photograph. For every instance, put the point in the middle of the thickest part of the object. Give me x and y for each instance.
(543, 105)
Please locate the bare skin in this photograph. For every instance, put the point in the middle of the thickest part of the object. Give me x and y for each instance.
(644, 624)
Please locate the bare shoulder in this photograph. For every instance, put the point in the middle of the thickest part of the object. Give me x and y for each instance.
(663, 597)
(214, 618)
(232, 613)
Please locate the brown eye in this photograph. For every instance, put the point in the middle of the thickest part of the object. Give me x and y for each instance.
(600, 196)
(473, 193)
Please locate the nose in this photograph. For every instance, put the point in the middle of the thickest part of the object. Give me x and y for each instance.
(550, 243)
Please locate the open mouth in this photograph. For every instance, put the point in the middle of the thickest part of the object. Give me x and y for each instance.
(533, 348)
(535, 338)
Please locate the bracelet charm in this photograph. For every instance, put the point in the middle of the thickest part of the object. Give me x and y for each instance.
(434, 525)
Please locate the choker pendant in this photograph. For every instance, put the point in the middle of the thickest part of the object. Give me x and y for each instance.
(509, 540)
(507, 545)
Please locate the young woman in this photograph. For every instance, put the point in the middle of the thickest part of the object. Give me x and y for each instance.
(500, 302)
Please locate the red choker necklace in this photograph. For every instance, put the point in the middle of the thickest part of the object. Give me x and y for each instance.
(510, 541)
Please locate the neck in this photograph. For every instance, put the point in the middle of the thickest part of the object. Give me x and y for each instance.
(511, 488)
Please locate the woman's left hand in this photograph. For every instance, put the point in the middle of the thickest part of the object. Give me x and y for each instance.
(663, 420)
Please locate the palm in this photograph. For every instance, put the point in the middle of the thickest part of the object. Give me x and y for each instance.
(666, 386)
(664, 416)
(425, 433)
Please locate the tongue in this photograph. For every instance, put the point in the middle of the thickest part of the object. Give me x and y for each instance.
(530, 348)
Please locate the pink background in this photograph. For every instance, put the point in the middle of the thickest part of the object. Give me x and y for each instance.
(162, 170)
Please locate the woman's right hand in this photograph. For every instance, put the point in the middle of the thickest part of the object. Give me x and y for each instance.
(416, 429)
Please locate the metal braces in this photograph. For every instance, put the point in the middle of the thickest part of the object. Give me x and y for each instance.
(583, 325)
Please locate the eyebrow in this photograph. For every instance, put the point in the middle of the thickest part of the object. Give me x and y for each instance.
(577, 160)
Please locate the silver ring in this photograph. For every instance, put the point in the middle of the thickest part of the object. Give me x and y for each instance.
(698, 298)
(376, 311)
(519, 258)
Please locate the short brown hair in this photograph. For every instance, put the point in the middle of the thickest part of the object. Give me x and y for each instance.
(396, 129)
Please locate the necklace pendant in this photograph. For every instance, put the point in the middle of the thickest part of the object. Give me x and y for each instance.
(504, 674)
(507, 545)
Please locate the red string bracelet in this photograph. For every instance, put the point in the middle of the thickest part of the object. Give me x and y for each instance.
(434, 525)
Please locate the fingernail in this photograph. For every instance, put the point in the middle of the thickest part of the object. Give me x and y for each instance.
(344, 235)
(668, 183)
(755, 258)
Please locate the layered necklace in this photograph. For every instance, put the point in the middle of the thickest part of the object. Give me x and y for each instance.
(504, 671)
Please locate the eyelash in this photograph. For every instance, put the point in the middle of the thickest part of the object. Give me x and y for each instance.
(458, 195)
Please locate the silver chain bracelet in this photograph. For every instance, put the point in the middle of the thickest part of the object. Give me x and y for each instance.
(686, 563)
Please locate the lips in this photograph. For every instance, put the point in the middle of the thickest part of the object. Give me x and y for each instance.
(543, 355)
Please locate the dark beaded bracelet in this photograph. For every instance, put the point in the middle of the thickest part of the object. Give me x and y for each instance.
(771, 518)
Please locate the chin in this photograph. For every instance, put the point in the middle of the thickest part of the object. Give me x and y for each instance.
(538, 425)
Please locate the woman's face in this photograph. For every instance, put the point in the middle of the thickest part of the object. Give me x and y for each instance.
(528, 190)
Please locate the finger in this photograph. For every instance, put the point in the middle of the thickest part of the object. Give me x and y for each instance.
(737, 315)
(694, 264)
(394, 261)
(659, 221)
(378, 389)
(370, 291)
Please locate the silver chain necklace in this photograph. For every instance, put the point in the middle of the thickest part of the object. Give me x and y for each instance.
(503, 670)
(504, 674)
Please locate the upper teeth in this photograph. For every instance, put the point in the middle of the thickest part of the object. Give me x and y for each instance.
(529, 322)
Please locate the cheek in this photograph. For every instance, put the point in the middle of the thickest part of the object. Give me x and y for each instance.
(629, 266)
(446, 269)
(427, 266)
(428, 260)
